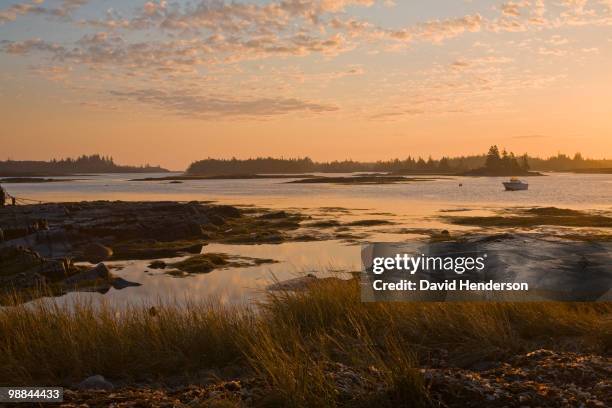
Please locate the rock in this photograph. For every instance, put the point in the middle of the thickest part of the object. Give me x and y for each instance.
(23, 269)
(99, 273)
(14, 260)
(98, 278)
(55, 269)
(95, 382)
(95, 253)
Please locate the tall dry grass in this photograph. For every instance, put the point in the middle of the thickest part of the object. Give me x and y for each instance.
(49, 343)
(294, 342)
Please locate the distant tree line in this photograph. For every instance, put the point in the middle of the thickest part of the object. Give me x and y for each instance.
(502, 162)
(83, 164)
(505, 161)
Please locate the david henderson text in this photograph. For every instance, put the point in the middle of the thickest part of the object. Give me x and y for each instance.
(449, 285)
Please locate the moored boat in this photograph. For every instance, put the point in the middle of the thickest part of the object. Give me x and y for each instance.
(515, 185)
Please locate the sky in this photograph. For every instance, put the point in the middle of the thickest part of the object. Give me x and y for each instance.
(170, 82)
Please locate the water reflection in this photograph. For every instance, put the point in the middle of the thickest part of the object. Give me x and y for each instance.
(230, 286)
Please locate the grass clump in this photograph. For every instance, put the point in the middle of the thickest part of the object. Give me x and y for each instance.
(48, 343)
(205, 263)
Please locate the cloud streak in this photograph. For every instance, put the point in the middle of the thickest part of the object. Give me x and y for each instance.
(193, 105)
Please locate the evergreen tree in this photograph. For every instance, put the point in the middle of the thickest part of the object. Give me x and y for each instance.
(431, 164)
(493, 161)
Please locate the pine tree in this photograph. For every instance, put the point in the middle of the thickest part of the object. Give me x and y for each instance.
(493, 161)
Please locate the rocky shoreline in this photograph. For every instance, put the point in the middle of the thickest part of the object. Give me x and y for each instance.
(542, 378)
(61, 247)
(46, 245)
(26, 275)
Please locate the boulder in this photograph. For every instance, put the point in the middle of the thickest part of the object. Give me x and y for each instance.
(98, 278)
(55, 269)
(99, 273)
(95, 253)
(95, 382)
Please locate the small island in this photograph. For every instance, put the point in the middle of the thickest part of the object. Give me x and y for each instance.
(31, 180)
(367, 179)
(191, 177)
(94, 164)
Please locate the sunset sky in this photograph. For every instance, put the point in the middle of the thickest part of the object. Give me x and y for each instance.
(169, 82)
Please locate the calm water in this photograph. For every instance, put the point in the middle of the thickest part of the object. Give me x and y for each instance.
(573, 190)
(418, 204)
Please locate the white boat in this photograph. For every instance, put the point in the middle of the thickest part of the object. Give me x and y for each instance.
(515, 185)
